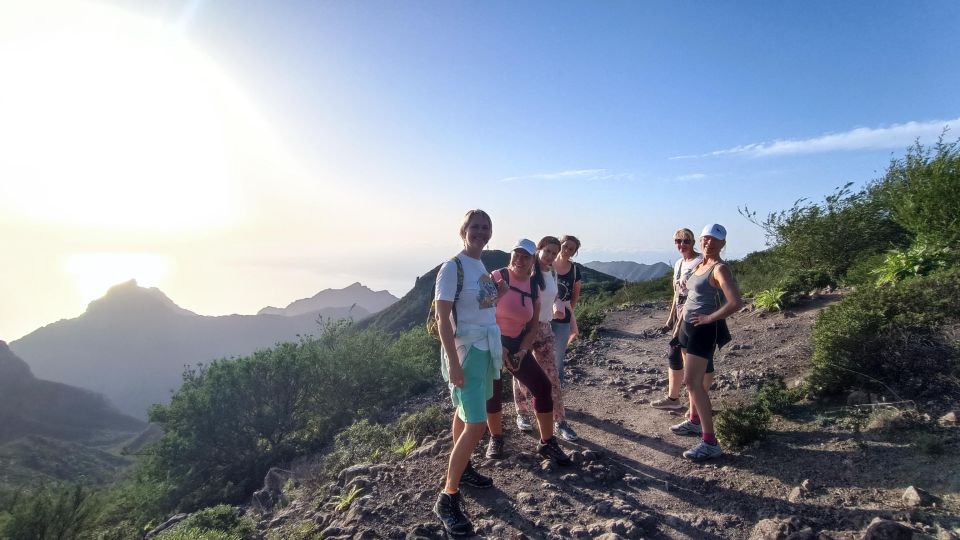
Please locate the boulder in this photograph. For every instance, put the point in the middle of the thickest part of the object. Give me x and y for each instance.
(351, 472)
(271, 494)
(776, 529)
(916, 497)
(949, 419)
(885, 529)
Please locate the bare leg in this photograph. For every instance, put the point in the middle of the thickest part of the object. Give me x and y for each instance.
(495, 423)
(699, 398)
(674, 382)
(463, 447)
(545, 423)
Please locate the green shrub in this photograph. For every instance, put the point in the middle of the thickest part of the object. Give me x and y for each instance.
(759, 271)
(770, 299)
(365, 441)
(861, 272)
(919, 260)
(740, 426)
(222, 517)
(191, 533)
(344, 500)
(887, 337)
(922, 191)
(427, 421)
(654, 290)
(234, 419)
(775, 397)
(828, 237)
(51, 512)
(590, 313)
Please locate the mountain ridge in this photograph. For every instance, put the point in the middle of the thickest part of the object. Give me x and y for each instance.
(133, 343)
(355, 294)
(631, 271)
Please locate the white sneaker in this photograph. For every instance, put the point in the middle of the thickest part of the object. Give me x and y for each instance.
(667, 404)
(566, 432)
(687, 428)
(703, 451)
(523, 423)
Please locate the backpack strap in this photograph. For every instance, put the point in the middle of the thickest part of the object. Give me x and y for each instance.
(459, 287)
(532, 294)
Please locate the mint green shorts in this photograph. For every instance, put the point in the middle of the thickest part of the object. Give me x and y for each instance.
(478, 374)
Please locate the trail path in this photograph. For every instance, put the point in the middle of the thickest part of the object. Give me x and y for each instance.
(811, 475)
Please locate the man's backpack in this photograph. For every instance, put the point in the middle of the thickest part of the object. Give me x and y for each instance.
(432, 326)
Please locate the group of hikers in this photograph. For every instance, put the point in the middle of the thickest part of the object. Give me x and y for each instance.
(522, 318)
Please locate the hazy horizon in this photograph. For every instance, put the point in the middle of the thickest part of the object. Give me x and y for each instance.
(238, 156)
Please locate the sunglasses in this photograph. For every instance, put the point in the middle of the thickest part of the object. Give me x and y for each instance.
(684, 241)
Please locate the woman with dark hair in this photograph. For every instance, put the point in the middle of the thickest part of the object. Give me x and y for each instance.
(465, 299)
(517, 314)
(544, 346)
(568, 294)
(701, 331)
(689, 259)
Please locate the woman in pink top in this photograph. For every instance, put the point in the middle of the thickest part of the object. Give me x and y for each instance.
(545, 279)
(518, 317)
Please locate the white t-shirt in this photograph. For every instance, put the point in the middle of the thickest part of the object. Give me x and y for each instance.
(478, 298)
(681, 271)
(547, 296)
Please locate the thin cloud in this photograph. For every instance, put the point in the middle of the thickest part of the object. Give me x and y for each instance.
(578, 174)
(896, 136)
(690, 177)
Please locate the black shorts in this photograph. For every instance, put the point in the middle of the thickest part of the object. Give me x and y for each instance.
(699, 341)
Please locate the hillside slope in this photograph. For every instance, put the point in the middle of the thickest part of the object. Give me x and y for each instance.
(132, 344)
(35, 407)
(826, 478)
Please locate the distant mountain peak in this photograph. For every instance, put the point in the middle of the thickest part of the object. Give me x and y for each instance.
(356, 294)
(129, 295)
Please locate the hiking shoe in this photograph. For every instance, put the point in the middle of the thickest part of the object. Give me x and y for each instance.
(703, 451)
(551, 450)
(565, 431)
(687, 428)
(495, 447)
(523, 423)
(667, 404)
(472, 478)
(449, 509)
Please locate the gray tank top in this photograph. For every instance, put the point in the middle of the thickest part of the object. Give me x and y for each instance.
(702, 297)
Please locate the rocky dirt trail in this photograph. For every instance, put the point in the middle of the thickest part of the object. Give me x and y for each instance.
(817, 475)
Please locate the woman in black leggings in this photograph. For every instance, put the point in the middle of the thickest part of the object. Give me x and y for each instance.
(518, 316)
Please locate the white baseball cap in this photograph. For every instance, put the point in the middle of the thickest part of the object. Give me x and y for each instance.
(716, 230)
(525, 245)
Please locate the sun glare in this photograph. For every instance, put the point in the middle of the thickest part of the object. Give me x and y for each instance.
(94, 273)
(113, 120)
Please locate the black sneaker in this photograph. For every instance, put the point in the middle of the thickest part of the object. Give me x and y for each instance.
(448, 509)
(551, 450)
(495, 447)
(472, 478)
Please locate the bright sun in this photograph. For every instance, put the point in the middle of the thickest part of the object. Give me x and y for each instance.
(94, 273)
(113, 120)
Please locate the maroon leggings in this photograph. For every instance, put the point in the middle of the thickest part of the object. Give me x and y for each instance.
(529, 374)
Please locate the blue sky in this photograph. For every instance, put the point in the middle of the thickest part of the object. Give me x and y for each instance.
(342, 141)
(448, 96)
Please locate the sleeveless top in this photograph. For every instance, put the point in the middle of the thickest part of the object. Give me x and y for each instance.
(702, 296)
